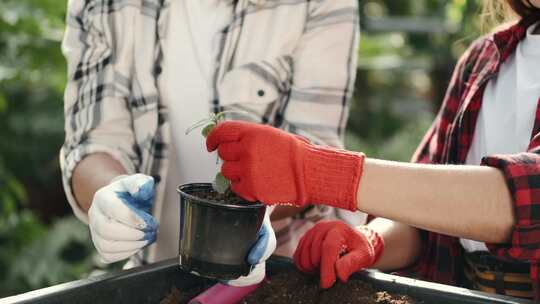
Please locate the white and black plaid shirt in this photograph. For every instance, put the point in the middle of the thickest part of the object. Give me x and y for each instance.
(304, 63)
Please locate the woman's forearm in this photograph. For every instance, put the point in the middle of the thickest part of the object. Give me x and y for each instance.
(93, 172)
(401, 244)
(463, 201)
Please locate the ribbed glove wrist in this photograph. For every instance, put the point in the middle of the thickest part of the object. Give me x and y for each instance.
(332, 176)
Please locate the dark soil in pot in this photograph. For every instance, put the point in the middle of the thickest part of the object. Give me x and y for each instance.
(225, 198)
(292, 287)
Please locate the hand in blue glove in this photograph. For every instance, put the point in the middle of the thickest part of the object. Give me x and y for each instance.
(119, 217)
(260, 252)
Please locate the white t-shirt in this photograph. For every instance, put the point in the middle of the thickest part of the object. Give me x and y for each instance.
(506, 119)
(192, 44)
(188, 65)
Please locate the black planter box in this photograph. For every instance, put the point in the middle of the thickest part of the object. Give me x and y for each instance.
(149, 284)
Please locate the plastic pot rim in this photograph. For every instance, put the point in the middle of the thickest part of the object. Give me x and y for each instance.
(182, 190)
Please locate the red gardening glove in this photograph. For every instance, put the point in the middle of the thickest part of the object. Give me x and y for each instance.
(335, 248)
(274, 167)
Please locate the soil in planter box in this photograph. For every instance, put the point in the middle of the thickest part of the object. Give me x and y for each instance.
(176, 296)
(292, 287)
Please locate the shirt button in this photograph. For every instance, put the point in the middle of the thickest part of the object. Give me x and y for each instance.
(260, 93)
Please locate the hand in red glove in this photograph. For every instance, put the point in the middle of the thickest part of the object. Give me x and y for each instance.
(274, 167)
(334, 248)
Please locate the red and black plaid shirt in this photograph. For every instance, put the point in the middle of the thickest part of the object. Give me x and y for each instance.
(448, 142)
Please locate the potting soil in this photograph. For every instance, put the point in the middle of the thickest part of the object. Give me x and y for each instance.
(292, 287)
(226, 198)
(176, 296)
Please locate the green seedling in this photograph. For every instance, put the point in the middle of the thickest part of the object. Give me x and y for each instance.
(220, 184)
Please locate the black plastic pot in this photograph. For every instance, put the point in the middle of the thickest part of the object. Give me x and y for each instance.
(150, 284)
(215, 238)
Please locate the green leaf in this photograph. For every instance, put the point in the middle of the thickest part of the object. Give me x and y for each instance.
(18, 190)
(221, 115)
(3, 104)
(199, 124)
(221, 184)
(8, 203)
(206, 130)
(62, 253)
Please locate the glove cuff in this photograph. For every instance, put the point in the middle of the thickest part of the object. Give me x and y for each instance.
(332, 176)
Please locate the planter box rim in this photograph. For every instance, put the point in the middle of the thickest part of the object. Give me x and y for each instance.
(421, 290)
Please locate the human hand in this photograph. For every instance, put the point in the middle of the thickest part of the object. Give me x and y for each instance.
(274, 167)
(119, 217)
(337, 250)
(259, 253)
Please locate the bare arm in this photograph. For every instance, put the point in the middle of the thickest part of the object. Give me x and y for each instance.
(92, 173)
(463, 201)
(401, 244)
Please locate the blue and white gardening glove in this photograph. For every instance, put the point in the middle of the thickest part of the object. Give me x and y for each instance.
(260, 252)
(120, 219)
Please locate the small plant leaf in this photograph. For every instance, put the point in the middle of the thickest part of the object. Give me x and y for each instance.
(199, 124)
(221, 184)
(206, 130)
(221, 115)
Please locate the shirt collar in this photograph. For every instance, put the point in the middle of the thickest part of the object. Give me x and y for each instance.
(531, 44)
(507, 39)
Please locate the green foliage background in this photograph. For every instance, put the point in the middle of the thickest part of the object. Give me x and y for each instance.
(37, 248)
(407, 53)
(403, 70)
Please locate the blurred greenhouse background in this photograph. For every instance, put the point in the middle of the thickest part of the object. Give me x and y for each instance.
(408, 50)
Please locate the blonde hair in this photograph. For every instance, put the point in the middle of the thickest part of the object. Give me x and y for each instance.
(496, 13)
